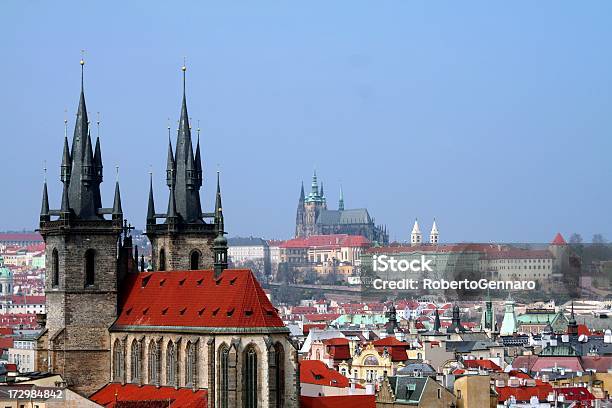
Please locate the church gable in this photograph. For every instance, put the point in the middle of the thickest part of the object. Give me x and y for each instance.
(196, 299)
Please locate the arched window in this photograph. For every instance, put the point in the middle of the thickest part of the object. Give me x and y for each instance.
(191, 373)
(90, 267)
(224, 377)
(135, 362)
(55, 269)
(250, 378)
(194, 260)
(162, 259)
(171, 364)
(153, 363)
(118, 362)
(277, 375)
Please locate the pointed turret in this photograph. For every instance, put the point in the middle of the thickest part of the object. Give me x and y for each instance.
(314, 190)
(84, 186)
(66, 168)
(117, 210)
(219, 243)
(322, 193)
(219, 209)
(341, 201)
(416, 237)
(151, 205)
(437, 323)
(186, 183)
(434, 235)
(302, 193)
(198, 161)
(65, 207)
(44, 209)
(170, 164)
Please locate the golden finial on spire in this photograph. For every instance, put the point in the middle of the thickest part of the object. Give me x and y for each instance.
(66, 123)
(184, 67)
(98, 123)
(82, 62)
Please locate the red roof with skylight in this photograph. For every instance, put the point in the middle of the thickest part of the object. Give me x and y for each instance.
(196, 299)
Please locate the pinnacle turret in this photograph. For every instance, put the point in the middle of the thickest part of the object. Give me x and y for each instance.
(44, 210)
(117, 209)
(151, 205)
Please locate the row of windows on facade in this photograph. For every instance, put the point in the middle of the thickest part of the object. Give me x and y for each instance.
(194, 260)
(90, 265)
(226, 369)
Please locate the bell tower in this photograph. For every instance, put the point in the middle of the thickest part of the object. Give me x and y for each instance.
(81, 283)
(184, 238)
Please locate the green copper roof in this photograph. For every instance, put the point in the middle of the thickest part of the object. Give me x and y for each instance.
(359, 319)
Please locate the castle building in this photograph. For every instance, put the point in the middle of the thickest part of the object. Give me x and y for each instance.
(314, 218)
(190, 324)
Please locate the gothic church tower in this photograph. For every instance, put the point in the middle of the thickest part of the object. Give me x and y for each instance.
(184, 240)
(81, 266)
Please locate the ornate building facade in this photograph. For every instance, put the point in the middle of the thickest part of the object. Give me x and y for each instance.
(314, 218)
(188, 323)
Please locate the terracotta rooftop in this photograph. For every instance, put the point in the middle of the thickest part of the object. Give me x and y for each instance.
(196, 299)
(115, 395)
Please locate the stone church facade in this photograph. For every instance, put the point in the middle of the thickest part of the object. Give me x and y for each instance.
(314, 218)
(187, 322)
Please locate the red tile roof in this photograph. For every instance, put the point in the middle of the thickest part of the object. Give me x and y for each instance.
(558, 240)
(599, 364)
(396, 348)
(196, 299)
(339, 401)
(520, 254)
(28, 300)
(339, 341)
(307, 327)
(545, 363)
(19, 237)
(450, 248)
(484, 364)
(327, 241)
(524, 393)
(111, 396)
(321, 317)
(6, 342)
(576, 393)
(316, 372)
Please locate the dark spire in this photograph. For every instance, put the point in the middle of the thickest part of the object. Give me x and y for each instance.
(302, 193)
(88, 172)
(392, 323)
(98, 155)
(84, 186)
(322, 194)
(117, 210)
(219, 209)
(44, 210)
(219, 243)
(341, 201)
(198, 161)
(151, 206)
(172, 204)
(437, 324)
(66, 168)
(170, 164)
(186, 173)
(65, 208)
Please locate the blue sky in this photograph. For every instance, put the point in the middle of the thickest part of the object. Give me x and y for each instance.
(493, 118)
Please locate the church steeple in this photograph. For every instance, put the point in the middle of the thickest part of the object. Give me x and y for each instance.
(302, 193)
(220, 242)
(84, 185)
(151, 205)
(341, 201)
(66, 168)
(117, 209)
(415, 237)
(186, 170)
(44, 209)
